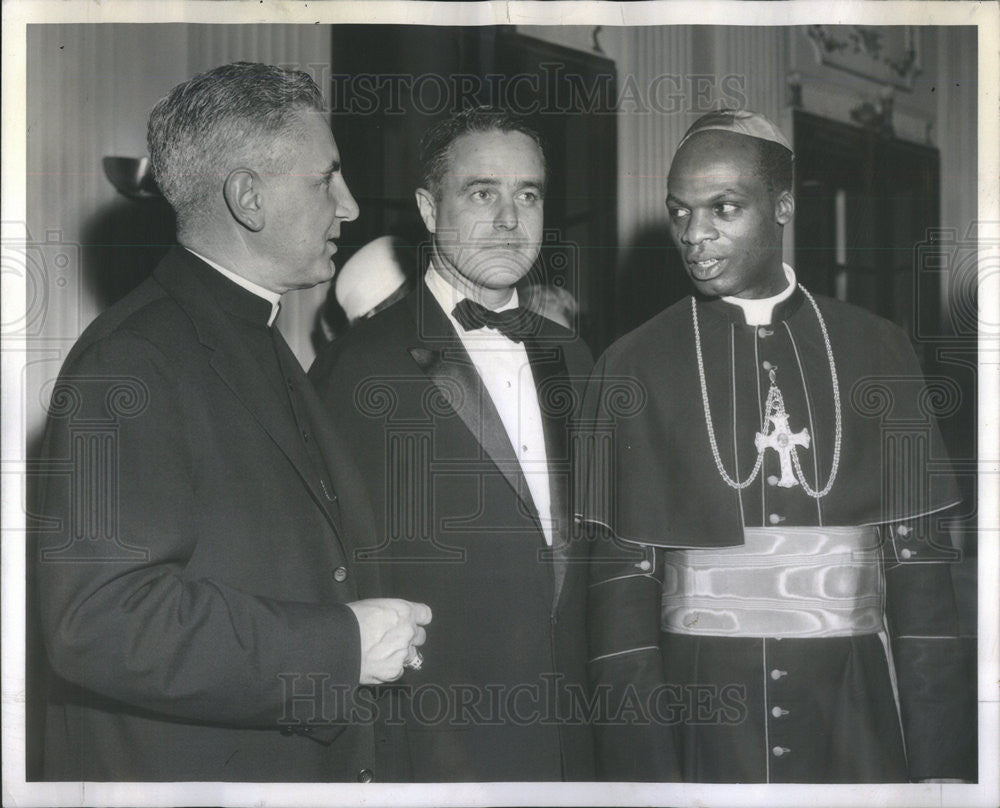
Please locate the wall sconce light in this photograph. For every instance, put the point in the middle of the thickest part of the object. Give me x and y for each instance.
(794, 96)
(132, 177)
(597, 43)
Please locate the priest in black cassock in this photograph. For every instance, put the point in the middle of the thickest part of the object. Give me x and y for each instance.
(772, 602)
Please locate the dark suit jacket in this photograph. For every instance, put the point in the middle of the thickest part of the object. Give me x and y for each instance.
(192, 572)
(506, 649)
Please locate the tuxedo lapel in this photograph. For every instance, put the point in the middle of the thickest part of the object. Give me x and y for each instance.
(548, 367)
(443, 358)
(240, 371)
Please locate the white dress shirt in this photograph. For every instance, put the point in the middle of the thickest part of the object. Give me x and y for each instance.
(503, 366)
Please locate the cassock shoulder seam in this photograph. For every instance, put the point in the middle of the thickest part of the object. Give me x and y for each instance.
(904, 517)
(622, 653)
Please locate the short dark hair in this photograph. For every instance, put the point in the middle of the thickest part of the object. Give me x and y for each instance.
(236, 115)
(775, 165)
(435, 147)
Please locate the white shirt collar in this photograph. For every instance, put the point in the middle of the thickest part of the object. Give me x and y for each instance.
(758, 312)
(271, 297)
(448, 296)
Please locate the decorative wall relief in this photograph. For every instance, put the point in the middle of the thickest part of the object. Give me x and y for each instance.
(885, 53)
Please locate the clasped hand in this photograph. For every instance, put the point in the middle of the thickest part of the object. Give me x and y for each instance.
(391, 631)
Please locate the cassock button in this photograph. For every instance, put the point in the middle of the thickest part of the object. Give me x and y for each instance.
(778, 712)
(772, 479)
(780, 751)
(766, 365)
(763, 332)
(903, 530)
(340, 574)
(905, 553)
(644, 566)
(776, 674)
(366, 776)
(775, 518)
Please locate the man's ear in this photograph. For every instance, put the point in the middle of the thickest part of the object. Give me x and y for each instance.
(243, 190)
(428, 209)
(784, 208)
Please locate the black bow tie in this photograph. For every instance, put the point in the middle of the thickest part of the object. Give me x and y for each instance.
(515, 324)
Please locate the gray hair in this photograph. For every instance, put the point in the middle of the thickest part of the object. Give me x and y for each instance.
(243, 114)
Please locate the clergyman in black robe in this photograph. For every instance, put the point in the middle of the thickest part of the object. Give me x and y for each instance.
(772, 601)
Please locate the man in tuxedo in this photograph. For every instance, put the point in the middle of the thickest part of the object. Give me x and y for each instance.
(199, 599)
(458, 402)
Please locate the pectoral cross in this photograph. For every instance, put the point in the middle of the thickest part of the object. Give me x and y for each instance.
(782, 440)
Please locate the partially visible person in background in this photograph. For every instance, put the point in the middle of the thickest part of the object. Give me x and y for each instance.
(375, 277)
(554, 302)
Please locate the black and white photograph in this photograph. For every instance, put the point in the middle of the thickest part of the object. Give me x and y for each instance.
(525, 403)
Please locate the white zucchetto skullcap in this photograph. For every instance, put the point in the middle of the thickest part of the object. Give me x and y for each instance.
(370, 276)
(740, 122)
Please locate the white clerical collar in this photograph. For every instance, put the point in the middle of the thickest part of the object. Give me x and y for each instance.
(758, 312)
(271, 297)
(448, 296)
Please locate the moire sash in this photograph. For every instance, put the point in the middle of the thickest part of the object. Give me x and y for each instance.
(783, 582)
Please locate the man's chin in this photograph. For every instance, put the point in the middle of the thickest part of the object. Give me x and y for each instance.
(320, 274)
(503, 274)
(710, 287)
